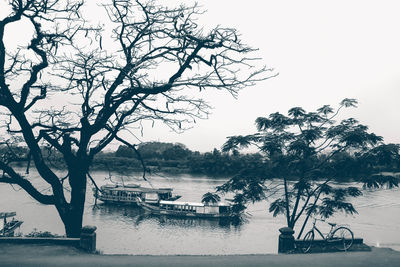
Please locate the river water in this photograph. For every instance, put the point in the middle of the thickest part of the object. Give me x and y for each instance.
(129, 230)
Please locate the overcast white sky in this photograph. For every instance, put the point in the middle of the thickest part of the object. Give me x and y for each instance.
(324, 51)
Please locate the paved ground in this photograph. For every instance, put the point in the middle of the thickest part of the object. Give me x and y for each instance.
(50, 255)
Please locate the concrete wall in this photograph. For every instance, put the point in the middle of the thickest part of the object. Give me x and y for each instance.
(87, 241)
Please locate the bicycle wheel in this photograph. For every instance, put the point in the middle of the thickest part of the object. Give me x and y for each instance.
(343, 238)
(307, 242)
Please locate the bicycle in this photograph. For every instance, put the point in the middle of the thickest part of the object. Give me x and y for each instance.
(339, 236)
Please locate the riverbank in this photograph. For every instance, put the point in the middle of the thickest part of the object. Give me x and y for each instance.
(53, 255)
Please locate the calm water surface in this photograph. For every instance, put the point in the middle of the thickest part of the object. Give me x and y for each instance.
(129, 230)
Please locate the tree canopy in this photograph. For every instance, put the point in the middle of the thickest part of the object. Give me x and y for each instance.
(303, 149)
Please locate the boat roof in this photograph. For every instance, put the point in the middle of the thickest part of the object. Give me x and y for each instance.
(195, 204)
(168, 202)
(7, 214)
(134, 188)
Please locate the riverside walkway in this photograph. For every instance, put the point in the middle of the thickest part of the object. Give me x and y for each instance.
(57, 255)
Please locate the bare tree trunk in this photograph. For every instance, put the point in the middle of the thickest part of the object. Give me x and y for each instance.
(74, 216)
(72, 219)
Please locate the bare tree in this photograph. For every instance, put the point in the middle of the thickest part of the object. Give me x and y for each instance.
(151, 66)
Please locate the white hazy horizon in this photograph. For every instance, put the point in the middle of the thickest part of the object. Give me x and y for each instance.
(324, 51)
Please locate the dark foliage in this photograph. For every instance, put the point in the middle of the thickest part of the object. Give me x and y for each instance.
(307, 151)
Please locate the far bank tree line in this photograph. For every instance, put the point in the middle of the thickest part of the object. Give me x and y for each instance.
(177, 158)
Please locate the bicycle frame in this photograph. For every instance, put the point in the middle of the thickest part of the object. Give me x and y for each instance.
(339, 241)
(320, 233)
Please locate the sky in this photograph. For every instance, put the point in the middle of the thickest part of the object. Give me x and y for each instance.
(324, 51)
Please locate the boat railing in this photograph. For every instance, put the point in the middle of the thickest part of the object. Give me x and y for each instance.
(110, 197)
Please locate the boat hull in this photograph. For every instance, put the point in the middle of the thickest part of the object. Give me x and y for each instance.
(9, 229)
(119, 202)
(156, 210)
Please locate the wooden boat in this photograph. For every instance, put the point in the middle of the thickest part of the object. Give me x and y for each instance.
(10, 226)
(188, 209)
(129, 194)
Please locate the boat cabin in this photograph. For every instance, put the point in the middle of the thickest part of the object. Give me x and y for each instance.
(217, 209)
(129, 193)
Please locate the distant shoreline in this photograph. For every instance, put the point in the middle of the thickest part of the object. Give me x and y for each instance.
(153, 170)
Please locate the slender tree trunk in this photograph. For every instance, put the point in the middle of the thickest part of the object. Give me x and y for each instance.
(294, 211)
(308, 216)
(287, 202)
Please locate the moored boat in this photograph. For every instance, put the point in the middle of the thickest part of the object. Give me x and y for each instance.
(9, 227)
(188, 209)
(129, 194)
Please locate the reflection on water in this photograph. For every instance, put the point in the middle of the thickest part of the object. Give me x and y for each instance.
(136, 215)
(129, 230)
(166, 221)
(123, 213)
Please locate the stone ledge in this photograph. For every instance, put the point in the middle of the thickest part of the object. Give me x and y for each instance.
(320, 241)
(41, 240)
(321, 246)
